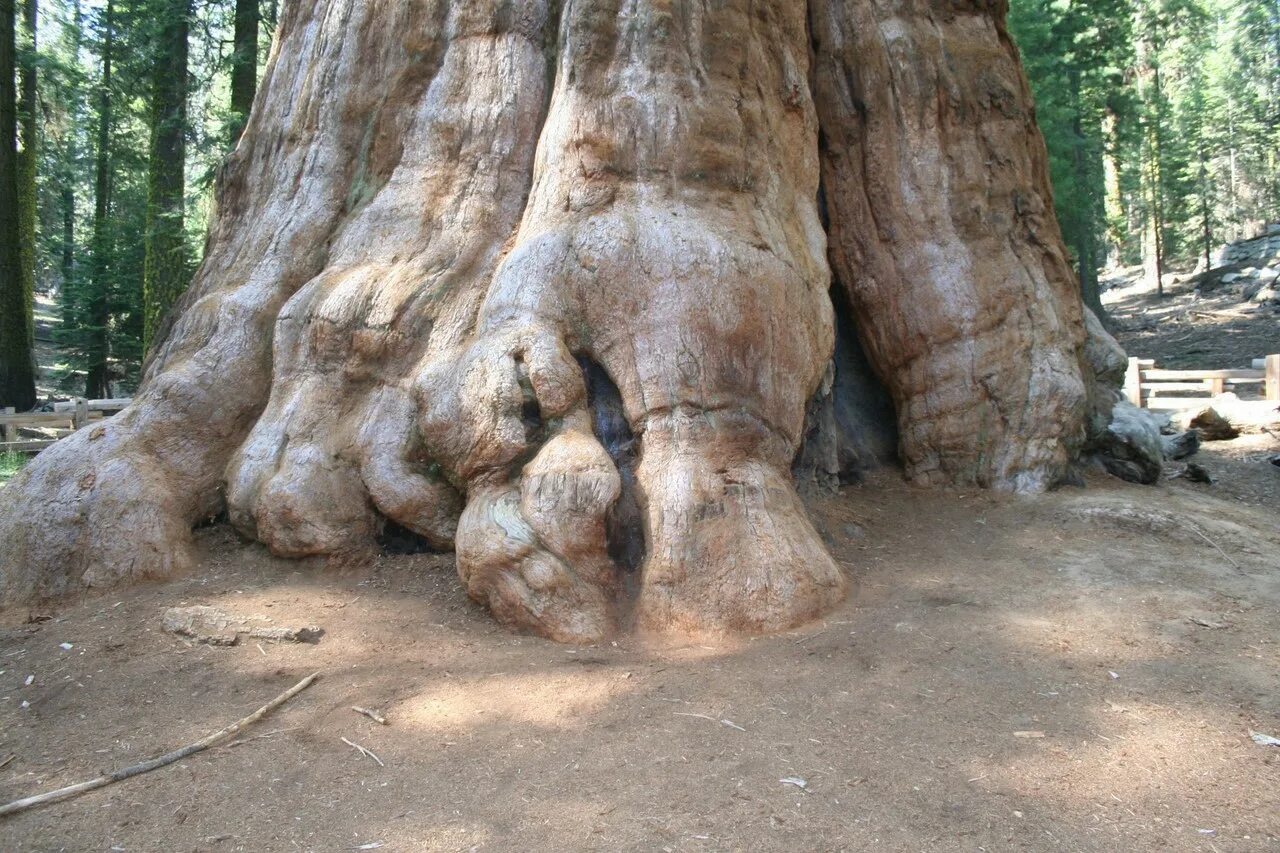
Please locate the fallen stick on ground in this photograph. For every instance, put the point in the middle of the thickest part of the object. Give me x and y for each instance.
(371, 714)
(1233, 563)
(160, 761)
(364, 750)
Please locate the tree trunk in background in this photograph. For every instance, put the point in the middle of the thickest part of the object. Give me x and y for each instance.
(1113, 198)
(165, 271)
(1206, 217)
(549, 283)
(97, 379)
(29, 145)
(17, 377)
(1153, 234)
(244, 65)
(1085, 245)
(1153, 150)
(1086, 252)
(67, 250)
(67, 181)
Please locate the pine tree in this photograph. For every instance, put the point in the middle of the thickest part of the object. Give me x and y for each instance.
(66, 169)
(1075, 66)
(244, 64)
(96, 345)
(166, 270)
(1162, 120)
(29, 144)
(17, 373)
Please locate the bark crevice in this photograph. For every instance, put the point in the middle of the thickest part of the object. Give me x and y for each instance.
(624, 528)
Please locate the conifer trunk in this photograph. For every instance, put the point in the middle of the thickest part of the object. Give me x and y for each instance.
(550, 284)
(165, 272)
(17, 376)
(96, 344)
(29, 143)
(244, 64)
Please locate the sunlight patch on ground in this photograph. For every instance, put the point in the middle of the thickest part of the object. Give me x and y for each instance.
(1139, 757)
(551, 700)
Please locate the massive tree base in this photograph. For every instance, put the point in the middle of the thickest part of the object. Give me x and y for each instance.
(551, 283)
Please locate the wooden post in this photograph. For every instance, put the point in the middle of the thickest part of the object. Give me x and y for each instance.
(10, 432)
(1272, 379)
(1133, 382)
(81, 416)
(1217, 385)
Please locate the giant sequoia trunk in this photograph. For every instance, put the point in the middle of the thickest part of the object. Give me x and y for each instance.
(549, 283)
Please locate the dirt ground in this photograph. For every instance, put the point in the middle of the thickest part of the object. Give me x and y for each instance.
(1079, 671)
(1189, 329)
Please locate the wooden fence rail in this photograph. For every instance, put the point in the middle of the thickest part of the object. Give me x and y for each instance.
(66, 418)
(1147, 386)
(115, 404)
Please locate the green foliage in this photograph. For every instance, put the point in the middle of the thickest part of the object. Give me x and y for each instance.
(1161, 118)
(99, 272)
(10, 464)
(1076, 56)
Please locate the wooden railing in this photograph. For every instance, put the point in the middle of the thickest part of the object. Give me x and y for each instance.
(66, 418)
(1147, 386)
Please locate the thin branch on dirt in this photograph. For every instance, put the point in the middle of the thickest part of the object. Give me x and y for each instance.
(160, 761)
(263, 736)
(5, 763)
(1225, 555)
(730, 723)
(365, 751)
(371, 714)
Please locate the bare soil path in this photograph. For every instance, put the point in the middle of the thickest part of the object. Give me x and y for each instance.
(1188, 328)
(1079, 671)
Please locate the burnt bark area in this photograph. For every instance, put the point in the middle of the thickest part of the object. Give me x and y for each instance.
(850, 424)
(394, 539)
(553, 285)
(624, 525)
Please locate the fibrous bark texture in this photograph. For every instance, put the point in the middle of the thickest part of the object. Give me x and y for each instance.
(549, 284)
(942, 232)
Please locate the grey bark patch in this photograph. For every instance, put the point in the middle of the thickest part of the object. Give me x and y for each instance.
(864, 412)
(850, 424)
(1132, 447)
(1180, 446)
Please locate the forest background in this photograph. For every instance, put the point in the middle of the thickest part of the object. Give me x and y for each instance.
(1161, 117)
